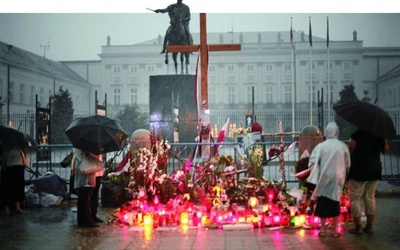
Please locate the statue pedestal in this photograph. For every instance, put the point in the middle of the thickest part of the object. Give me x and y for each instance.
(173, 111)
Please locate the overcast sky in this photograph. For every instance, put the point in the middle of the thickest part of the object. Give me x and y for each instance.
(78, 33)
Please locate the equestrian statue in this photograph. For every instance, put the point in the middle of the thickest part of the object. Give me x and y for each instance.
(178, 32)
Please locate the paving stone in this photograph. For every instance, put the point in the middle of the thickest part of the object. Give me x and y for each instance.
(55, 228)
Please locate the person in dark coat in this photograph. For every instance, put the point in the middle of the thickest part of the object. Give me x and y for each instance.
(364, 176)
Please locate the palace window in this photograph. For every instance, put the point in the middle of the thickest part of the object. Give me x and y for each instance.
(117, 96)
(346, 65)
(332, 91)
(268, 67)
(21, 93)
(249, 94)
(314, 94)
(250, 67)
(288, 94)
(331, 65)
(116, 69)
(312, 66)
(231, 95)
(134, 95)
(134, 69)
(269, 94)
(41, 97)
(33, 95)
(150, 68)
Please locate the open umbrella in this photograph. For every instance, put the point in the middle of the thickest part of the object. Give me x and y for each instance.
(96, 134)
(10, 135)
(368, 117)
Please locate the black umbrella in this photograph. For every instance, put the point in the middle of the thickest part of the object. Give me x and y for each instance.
(11, 136)
(96, 134)
(368, 117)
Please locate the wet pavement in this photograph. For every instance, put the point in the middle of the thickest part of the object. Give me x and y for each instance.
(56, 228)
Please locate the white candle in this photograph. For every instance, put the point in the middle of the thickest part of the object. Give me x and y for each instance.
(280, 127)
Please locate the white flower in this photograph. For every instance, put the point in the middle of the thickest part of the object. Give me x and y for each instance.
(212, 167)
(229, 168)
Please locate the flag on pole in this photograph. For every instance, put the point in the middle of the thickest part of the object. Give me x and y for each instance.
(197, 94)
(310, 33)
(291, 33)
(221, 135)
(327, 32)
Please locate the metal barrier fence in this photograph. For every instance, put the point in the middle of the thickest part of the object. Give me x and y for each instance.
(267, 118)
(49, 157)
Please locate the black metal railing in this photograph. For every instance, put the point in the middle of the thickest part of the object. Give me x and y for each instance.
(180, 152)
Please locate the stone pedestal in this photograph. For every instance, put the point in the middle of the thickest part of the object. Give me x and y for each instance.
(173, 111)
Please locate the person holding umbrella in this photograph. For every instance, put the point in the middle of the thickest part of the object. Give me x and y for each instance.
(364, 176)
(91, 137)
(375, 126)
(87, 166)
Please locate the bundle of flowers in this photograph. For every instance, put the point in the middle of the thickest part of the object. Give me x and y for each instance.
(254, 160)
(113, 191)
(148, 175)
(256, 127)
(275, 151)
(241, 130)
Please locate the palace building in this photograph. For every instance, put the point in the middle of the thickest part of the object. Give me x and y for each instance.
(265, 70)
(267, 65)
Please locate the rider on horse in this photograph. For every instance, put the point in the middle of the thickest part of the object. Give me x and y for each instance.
(177, 12)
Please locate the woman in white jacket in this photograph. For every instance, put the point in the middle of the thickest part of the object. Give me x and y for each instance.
(332, 157)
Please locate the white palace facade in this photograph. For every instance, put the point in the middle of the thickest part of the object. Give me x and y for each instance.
(267, 63)
(264, 64)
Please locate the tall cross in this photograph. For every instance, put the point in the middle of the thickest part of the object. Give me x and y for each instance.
(204, 48)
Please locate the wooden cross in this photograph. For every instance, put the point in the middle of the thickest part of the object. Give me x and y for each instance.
(204, 48)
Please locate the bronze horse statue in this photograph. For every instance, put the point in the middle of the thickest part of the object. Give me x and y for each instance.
(177, 36)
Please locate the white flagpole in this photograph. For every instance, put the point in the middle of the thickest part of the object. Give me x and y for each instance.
(293, 90)
(329, 77)
(311, 82)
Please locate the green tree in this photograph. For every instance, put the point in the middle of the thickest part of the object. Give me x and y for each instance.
(61, 116)
(345, 128)
(132, 118)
